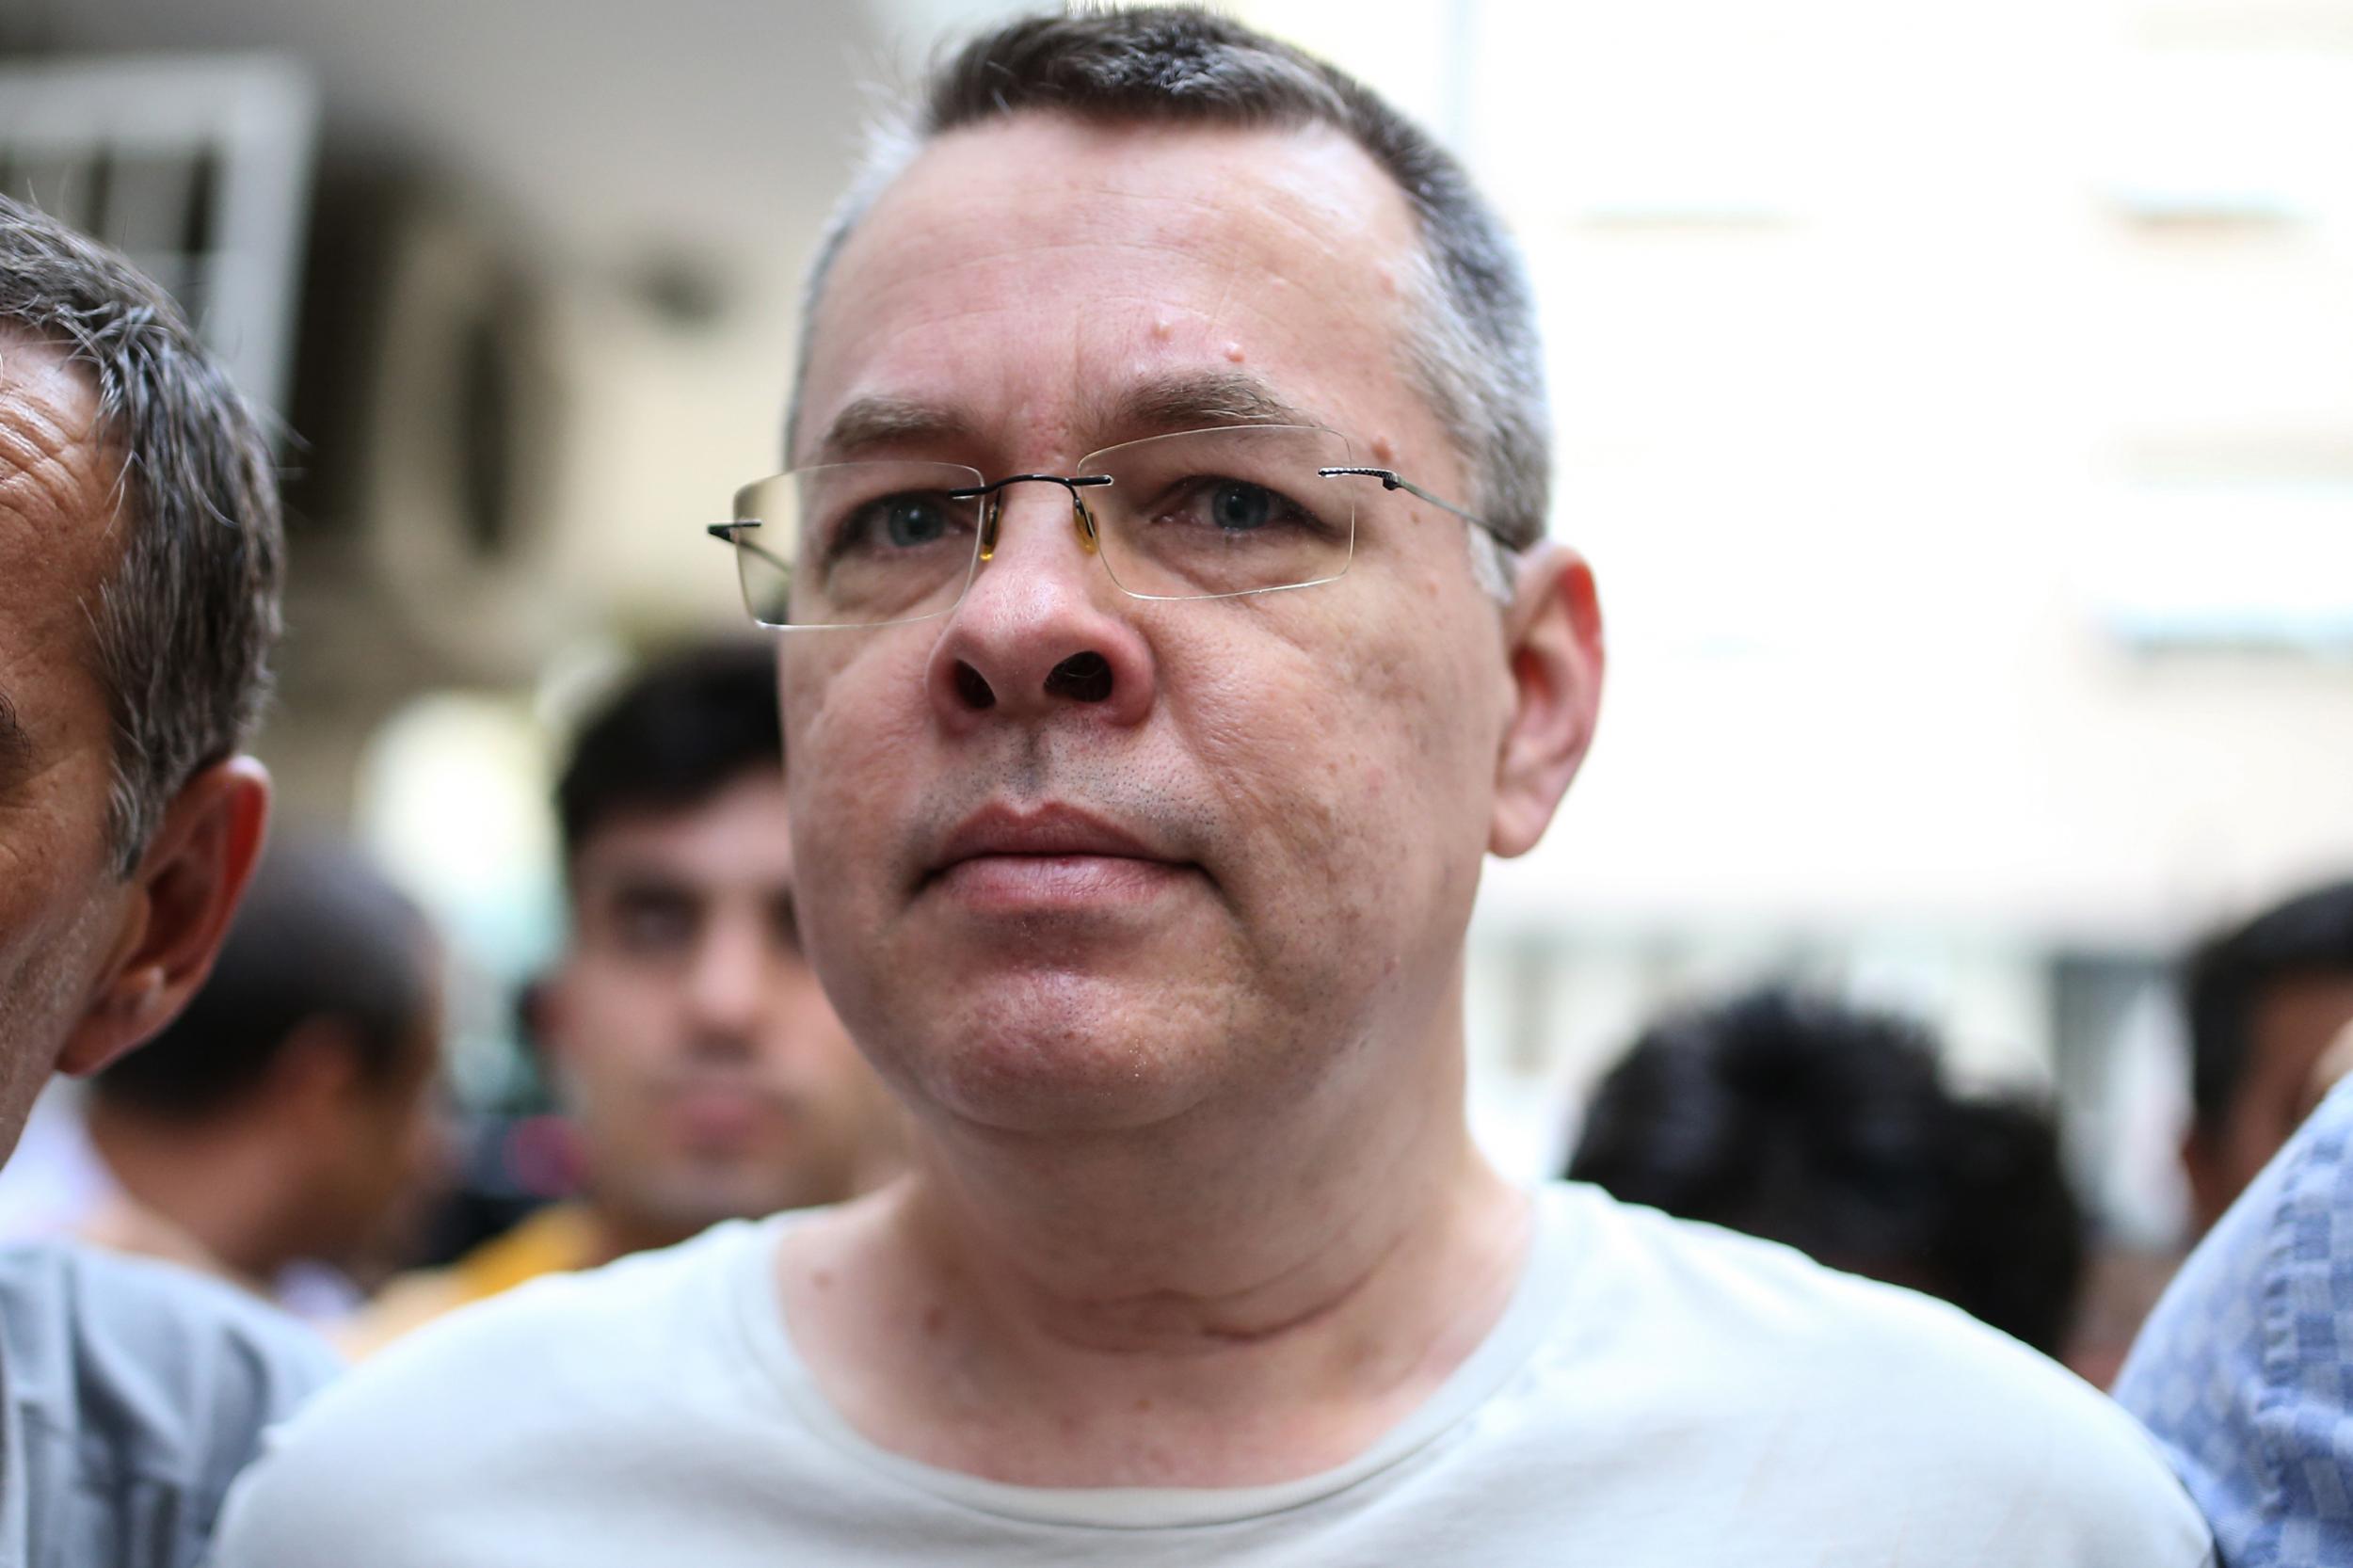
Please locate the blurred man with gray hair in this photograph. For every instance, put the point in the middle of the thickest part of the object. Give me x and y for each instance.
(1168, 633)
(139, 560)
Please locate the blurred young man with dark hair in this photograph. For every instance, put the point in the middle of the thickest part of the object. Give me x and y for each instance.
(1829, 1129)
(139, 557)
(285, 1116)
(705, 1076)
(2265, 1000)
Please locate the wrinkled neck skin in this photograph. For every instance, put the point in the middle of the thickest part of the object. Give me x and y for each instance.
(1246, 1294)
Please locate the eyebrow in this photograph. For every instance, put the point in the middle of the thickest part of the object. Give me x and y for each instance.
(1184, 401)
(1188, 400)
(866, 422)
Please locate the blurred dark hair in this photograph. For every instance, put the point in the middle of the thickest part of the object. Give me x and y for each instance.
(186, 621)
(2224, 979)
(677, 733)
(320, 935)
(1796, 1119)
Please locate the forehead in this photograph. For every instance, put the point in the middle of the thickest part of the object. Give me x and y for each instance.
(56, 534)
(1034, 270)
(737, 839)
(55, 502)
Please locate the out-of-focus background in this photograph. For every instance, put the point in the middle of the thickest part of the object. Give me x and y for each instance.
(1954, 400)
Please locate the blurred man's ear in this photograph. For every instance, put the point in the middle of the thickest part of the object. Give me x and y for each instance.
(546, 1010)
(1553, 641)
(2211, 1187)
(178, 905)
(533, 1001)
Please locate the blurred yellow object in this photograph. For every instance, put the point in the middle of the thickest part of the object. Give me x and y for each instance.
(557, 1240)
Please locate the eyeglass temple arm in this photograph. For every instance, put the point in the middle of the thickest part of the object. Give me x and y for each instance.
(1391, 480)
(725, 534)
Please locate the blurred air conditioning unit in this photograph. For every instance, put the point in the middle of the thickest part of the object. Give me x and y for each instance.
(455, 443)
(503, 442)
(196, 167)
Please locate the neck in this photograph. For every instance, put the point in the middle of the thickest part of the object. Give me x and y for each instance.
(212, 1186)
(1224, 1229)
(1241, 1295)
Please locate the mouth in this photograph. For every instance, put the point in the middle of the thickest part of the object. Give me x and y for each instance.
(1051, 856)
(711, 1115)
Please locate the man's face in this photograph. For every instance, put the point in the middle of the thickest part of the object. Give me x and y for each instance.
(1257, 854)
(58, 898)
(707, 1075)
(2289, 1032)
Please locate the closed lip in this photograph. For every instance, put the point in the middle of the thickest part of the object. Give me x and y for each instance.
(721, 1090)
(1049, 829)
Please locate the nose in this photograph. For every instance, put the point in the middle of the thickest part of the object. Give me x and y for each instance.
(727, 983)
(1043, 630)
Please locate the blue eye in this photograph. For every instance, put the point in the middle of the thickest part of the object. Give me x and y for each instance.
(912, 520)
(1214, 505)
(1238, 508)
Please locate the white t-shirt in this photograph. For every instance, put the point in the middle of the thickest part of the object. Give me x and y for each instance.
(1654, 1392)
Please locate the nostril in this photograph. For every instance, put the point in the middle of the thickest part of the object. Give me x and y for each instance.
(972, 687)
(1082, 678)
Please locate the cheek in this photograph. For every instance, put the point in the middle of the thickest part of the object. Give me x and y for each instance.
(1365, 740)
(56, 916)
(807, 1005)
(855, 734)
(53, 853)
(621, 1027)
(807, 1028)
(612, 999)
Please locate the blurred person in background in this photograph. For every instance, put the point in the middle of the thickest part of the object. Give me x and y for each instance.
(1147, 732)
(2265, 1000)
(2262, 1001)
(703, 1072)
(140, 561)
(281, 1128)
(1829, 1129)
(2244, 1369)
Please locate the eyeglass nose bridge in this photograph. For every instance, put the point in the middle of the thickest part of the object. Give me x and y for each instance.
(992, 513)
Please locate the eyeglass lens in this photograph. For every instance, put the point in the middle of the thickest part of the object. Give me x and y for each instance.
(1201, 514)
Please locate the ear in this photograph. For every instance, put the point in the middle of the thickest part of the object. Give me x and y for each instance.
(182, 896)
(2334, 1067)
(2210, 1192)
(544, 1014)
(1553, 643)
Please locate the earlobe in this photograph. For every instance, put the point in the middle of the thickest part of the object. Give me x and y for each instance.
(1553, 643)
(181, 897)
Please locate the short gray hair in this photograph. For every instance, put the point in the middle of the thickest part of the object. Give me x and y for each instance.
(1473, 349)
(184, 622)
